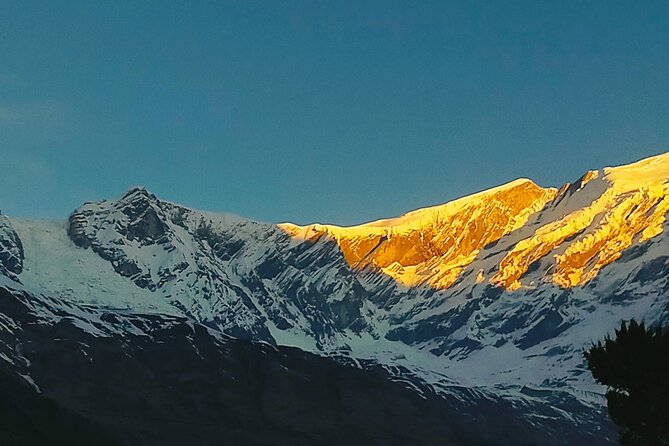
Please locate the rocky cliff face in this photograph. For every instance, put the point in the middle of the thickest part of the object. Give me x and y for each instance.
(11, 250)
(501, 289)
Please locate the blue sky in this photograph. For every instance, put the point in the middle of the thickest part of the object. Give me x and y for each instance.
(337, 112)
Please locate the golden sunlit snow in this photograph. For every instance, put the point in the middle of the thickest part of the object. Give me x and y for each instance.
(432, 246)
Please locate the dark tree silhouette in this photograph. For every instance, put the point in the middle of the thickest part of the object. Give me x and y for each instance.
(635, 367)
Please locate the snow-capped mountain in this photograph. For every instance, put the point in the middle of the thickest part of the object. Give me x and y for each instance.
(499, 291)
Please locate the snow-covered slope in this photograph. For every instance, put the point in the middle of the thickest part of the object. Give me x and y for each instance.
(240, 276)
(431, 246)
(500, 289)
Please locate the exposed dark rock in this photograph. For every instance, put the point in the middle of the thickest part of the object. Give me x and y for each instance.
(654, 269)
(76, 229)
(548, 325)
(438, 328)
(11, 250)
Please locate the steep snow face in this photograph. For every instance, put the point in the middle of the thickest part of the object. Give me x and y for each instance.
(629, 205)
(582, 228)
(54, 265)
(524, 300)
(649, 172)
(431, 246)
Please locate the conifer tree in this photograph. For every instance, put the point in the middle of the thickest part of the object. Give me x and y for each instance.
(635, 368)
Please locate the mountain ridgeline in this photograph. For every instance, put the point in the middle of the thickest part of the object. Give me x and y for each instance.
(483, 301)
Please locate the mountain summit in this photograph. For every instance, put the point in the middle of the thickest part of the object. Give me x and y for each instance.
(621, 206)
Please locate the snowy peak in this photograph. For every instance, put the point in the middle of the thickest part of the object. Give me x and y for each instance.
(135, 214)
(649, 172)
(625, 206)
(574, 231)
(427, 216)
(432, 245)
(242, 277)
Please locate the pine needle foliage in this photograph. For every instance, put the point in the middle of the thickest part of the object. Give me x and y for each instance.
(634, 365)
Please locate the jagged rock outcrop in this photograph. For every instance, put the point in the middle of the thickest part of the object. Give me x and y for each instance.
(11, 250)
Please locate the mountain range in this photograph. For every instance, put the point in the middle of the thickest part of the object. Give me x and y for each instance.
(147, 322)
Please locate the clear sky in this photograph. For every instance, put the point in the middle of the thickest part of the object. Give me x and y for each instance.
(338, 111)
